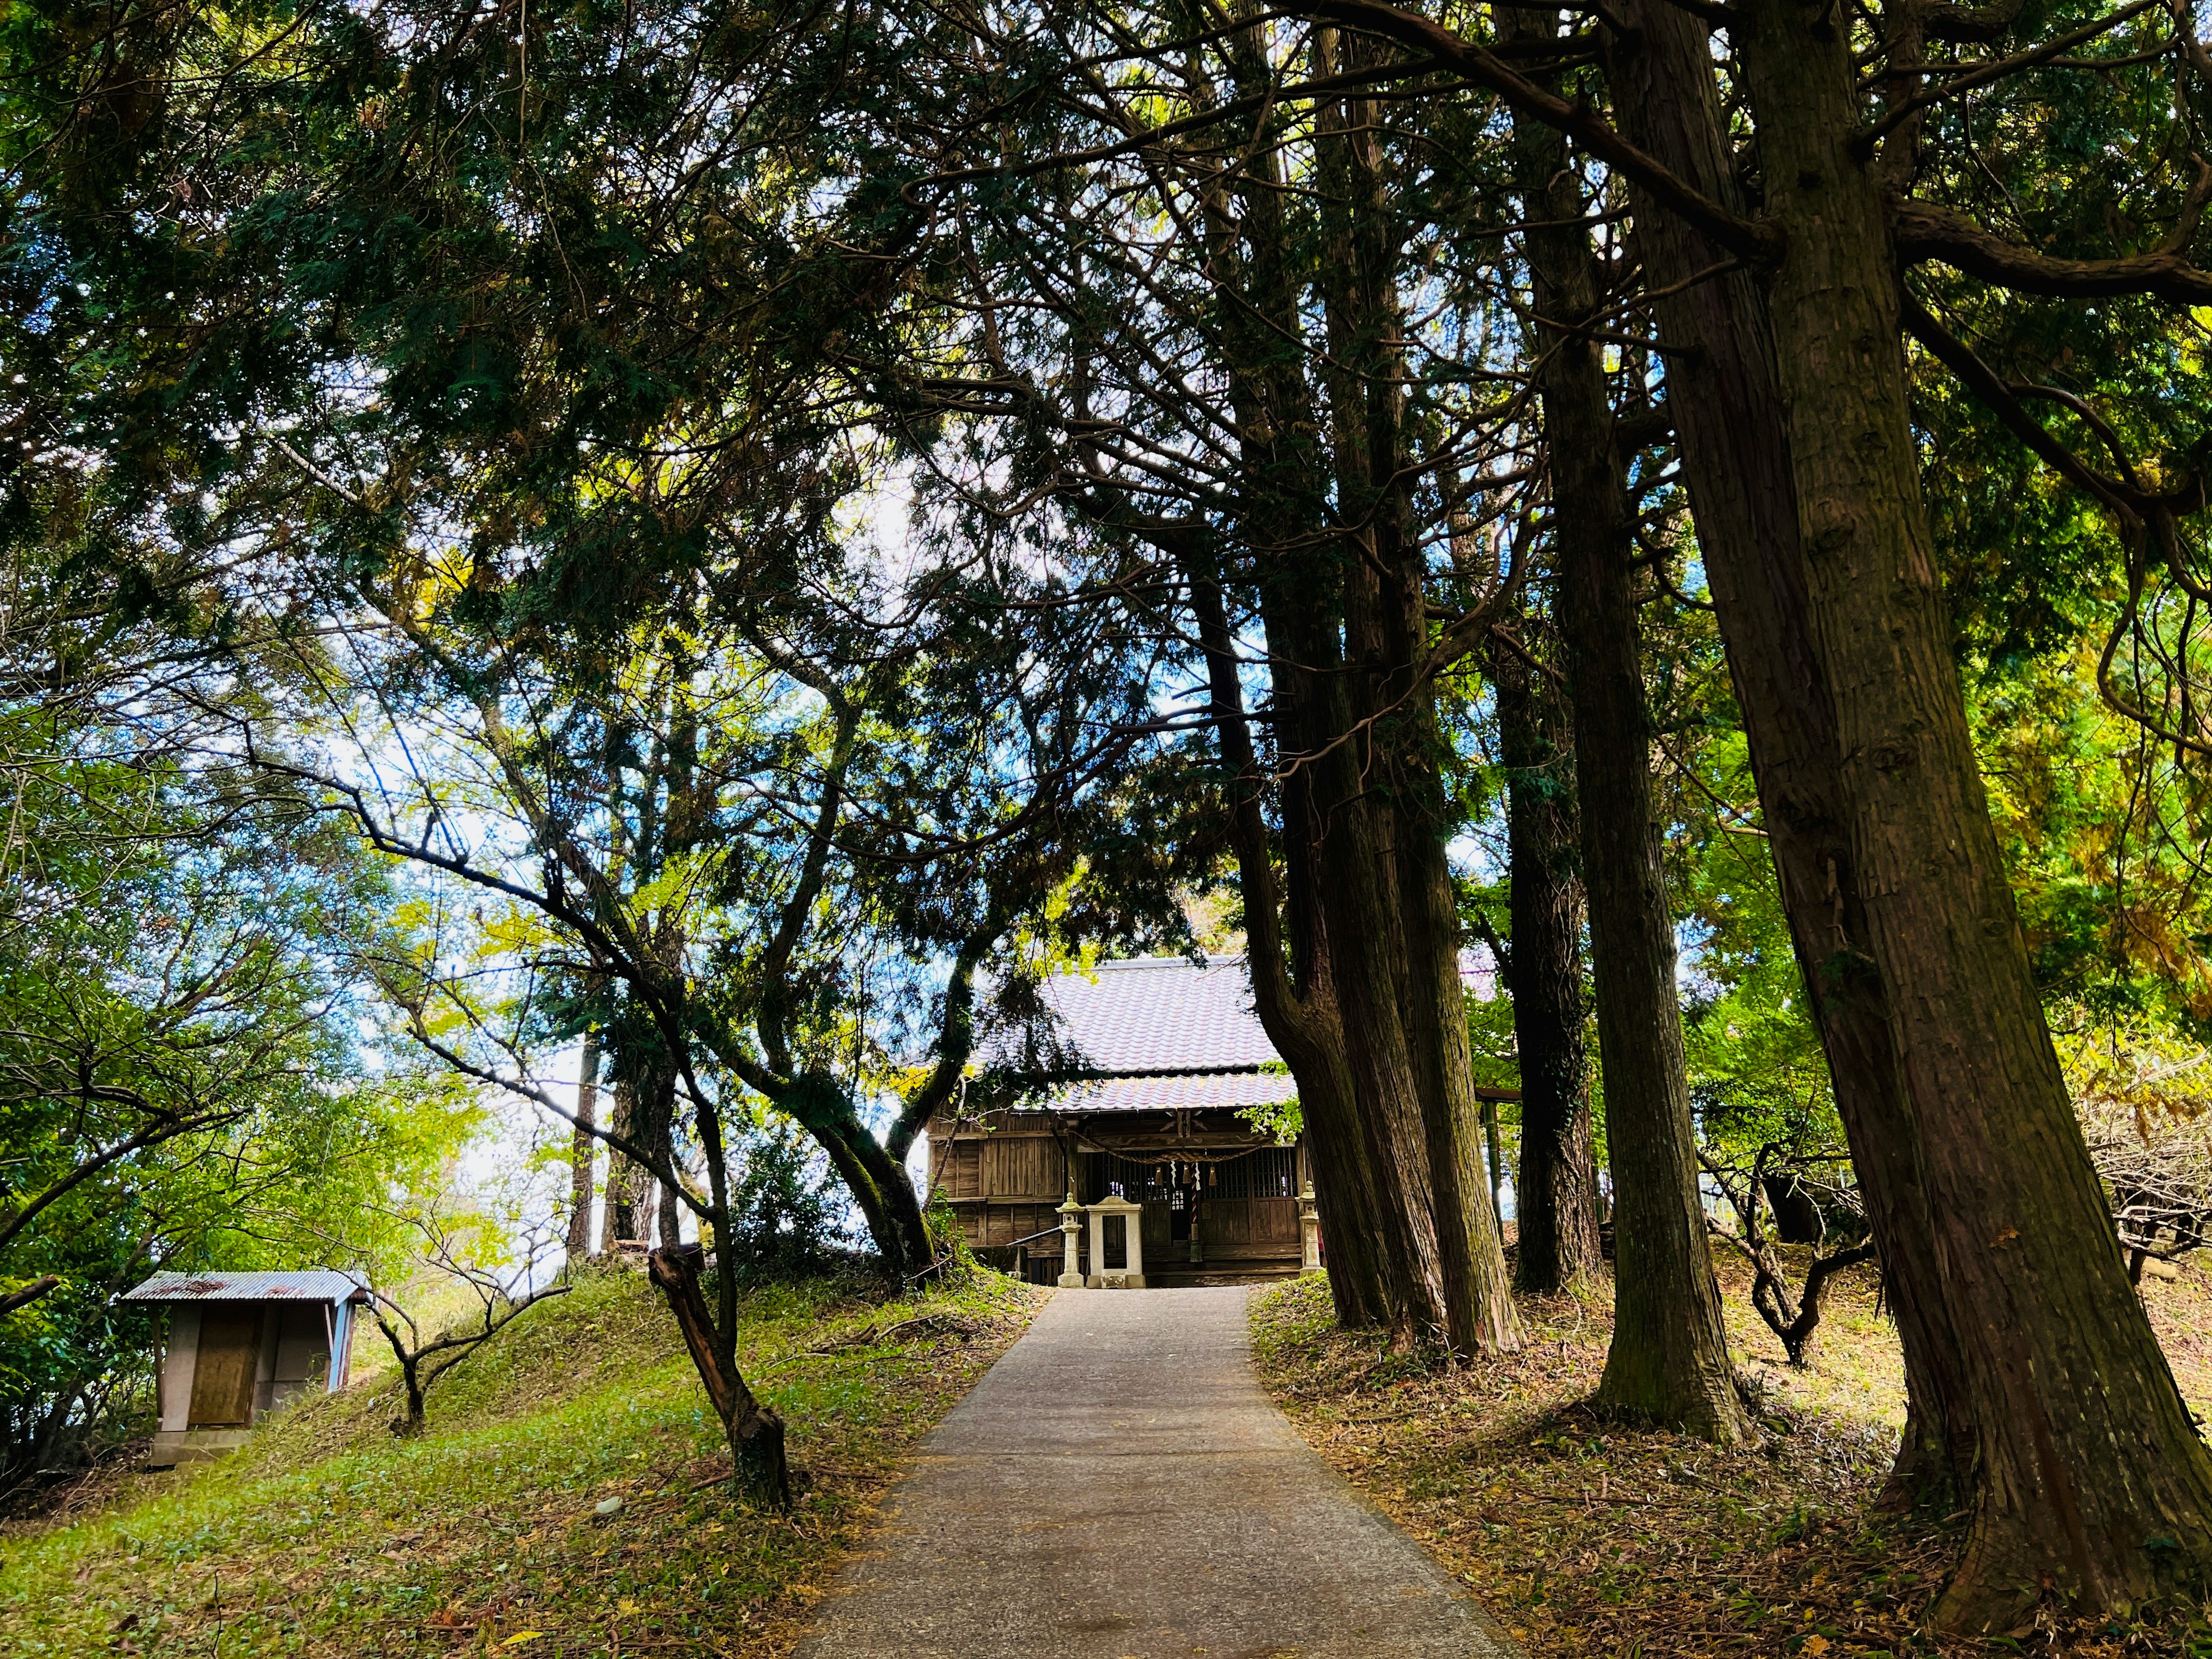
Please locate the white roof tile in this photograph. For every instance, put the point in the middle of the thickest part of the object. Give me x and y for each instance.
(1162, 1014)
(1174, 1091)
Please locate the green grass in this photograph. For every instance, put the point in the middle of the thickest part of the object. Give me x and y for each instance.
(326, 1535)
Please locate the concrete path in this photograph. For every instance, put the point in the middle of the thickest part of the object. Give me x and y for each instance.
(1118, 1487)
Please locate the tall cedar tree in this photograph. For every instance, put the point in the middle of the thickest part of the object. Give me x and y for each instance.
(1555, 1191)
(1668, 1361)
(2057, 1368)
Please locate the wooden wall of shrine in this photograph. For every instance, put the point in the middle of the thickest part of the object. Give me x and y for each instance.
(1220, 1201)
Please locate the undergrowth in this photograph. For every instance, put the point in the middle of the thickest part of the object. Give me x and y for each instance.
(327, 1535)
(1590, 1539)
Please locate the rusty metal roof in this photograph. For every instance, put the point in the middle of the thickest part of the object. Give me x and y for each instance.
(305, 1285)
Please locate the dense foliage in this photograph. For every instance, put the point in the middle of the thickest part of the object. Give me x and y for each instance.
(716, 536)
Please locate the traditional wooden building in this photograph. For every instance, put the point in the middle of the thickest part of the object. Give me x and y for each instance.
(1171, 1058)
(239, 1344)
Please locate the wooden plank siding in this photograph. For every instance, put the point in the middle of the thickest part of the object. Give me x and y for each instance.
(1012, 1163)
(1005, 1176)
(1023, 1166)
(1008, 1224)
(1246, 1228)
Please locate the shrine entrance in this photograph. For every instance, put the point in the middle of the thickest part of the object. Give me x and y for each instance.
(1207, 1211)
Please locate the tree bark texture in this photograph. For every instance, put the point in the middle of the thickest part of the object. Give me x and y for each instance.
(1730, 424)
(754, 1430)
(1555, 1192)
(1386, 848)
(584, 1150)
(618, 1213)
(879, 1182)
(2091, 1482)
(1332, 1004)
(1668, 1361)
(1288, 959)
(672, 1214)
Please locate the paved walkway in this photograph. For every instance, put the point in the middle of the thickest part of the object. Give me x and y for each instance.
(1118, 1487)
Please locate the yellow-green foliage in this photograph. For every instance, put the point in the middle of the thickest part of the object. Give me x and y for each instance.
(328, 1536)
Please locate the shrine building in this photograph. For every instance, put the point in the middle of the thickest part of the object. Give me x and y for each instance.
(1146, 1132)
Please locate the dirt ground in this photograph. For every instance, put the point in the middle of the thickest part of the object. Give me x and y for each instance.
(1592, 1541)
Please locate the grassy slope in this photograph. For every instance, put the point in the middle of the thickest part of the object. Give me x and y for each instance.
(327, 1536)
(1587, 1539)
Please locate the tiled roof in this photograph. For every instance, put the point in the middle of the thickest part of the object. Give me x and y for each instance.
(1157, 1092)
(309, 1285)
(1162, 1014)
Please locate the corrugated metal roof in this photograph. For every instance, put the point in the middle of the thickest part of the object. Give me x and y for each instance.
(1216, 1090)
(307, 1285)
(1162, 1014)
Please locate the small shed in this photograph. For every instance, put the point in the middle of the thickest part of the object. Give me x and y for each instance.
(239, 1345)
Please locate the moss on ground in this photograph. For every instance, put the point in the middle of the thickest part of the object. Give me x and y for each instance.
(1593, 1540)
(326, 1535)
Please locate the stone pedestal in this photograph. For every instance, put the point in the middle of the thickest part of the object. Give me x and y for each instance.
(1131, 1277)
(1070, 1232)
(1309, 1231)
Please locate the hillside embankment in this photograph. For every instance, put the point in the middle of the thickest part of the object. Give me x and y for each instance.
(567, 1497)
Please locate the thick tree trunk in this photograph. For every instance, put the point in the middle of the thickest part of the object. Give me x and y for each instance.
(879, 1184)
(1366, 949)
(1291, 989)
(1480, 1315)
(1343, 1187)
(1337, 884)
(904, 1236)
(755, 1432)
(1386, 848)
(1317, 987)
(1731, 421)
(2090, 1482)
(1555, 1192)
(618, 1214)
(1669, 1362)
(584, 1150)
(630, 1204)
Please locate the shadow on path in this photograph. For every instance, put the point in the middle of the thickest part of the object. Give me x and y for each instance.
(1118, 1487)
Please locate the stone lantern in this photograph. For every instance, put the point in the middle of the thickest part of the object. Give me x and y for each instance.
(1070, 1228)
